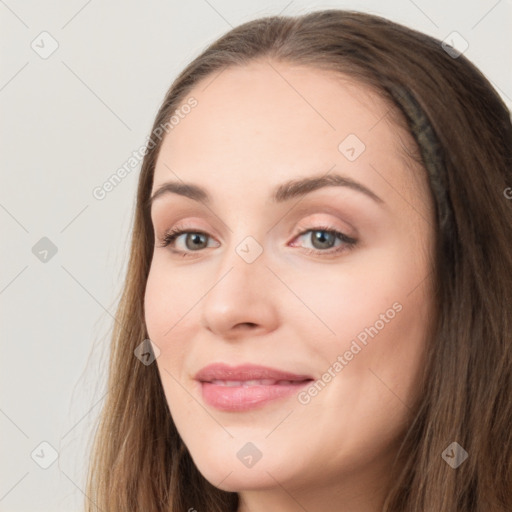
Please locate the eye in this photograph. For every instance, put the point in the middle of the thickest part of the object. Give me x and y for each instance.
(322, 238)
(194, 240)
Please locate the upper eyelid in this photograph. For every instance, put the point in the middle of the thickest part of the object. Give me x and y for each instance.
(310, 212)
(301, 231)
(301, 227)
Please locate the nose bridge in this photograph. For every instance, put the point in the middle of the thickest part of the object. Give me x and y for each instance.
(243, 266)
(239, 293)
(245, 243)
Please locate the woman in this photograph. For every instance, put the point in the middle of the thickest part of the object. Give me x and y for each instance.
(342, 338)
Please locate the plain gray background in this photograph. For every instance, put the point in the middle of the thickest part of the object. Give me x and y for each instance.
(69, 121)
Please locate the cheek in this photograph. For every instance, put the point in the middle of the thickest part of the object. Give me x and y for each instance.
(169, 295)
(339, 301)
(377, 311)
(365, 398)
(168, 301)
(155, 305)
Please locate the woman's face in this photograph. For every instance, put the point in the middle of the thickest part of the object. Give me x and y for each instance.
(263, 283)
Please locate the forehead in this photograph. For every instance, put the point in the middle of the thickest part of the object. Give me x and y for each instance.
(264, 123)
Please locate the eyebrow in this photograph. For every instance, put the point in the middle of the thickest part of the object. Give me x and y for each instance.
(283, 192)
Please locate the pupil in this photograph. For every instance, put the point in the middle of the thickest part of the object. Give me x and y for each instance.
(321, 236)
(194, 235)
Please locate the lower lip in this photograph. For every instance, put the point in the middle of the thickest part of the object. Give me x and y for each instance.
(239, 398)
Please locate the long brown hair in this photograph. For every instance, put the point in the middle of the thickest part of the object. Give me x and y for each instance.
(463, 136)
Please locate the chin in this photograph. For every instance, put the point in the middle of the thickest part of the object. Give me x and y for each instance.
(233, 477)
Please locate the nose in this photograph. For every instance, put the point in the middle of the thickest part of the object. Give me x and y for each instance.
(238, 300)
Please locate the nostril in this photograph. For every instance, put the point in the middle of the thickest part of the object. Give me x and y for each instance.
(247, 324)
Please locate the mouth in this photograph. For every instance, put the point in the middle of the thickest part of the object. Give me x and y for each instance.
(254, 382)
(247, 387)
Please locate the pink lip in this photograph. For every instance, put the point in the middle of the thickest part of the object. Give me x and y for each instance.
(222, 371)
(242, 397)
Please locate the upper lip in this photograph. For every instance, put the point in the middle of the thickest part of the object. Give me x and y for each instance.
(222, 371)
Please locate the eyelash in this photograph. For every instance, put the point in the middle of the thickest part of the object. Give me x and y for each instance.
(348, 242)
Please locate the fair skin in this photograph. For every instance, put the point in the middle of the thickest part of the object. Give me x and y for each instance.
(255, 127)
